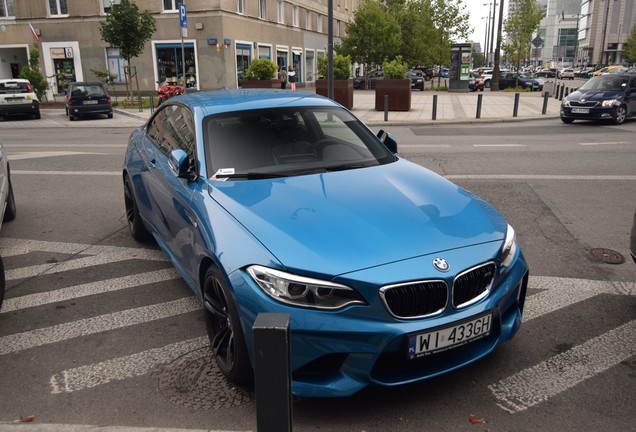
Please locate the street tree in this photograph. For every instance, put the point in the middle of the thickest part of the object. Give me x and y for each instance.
(372, 36)
(629, 48)
(519, 28)
(416, 28)
(128, 29)
(32, 73)
(451, 21)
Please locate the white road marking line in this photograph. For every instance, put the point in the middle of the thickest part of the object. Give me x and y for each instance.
(10, 247)
(67, 173)
(88, 289)
(537, 177)
(48, 335)
(547, 379)
(37, 155)
(605, 143)
(499, 145)
(78, 263)
(424, 145)
(118, 369)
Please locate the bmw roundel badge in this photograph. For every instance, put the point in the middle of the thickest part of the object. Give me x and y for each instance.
(441, 264)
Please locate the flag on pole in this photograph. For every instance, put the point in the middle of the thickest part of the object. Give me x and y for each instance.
(35, 33)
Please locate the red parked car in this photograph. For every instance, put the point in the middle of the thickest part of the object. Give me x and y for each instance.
(168, 89)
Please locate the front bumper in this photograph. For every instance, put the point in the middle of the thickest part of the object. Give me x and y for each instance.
(338, 353)
(595, 113)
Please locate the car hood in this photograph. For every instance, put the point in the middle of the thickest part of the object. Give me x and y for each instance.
(349, 220)
(593, 95)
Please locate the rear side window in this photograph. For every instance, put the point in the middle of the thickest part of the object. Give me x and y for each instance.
(87, 90)
(14, 87)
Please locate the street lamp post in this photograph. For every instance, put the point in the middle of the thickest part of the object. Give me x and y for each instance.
(492, 26)
(494, 83)
(486, 42)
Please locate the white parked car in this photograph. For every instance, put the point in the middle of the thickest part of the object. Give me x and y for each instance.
(567, 73)
(17, 97)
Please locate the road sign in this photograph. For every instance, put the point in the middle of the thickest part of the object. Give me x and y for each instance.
(537, 42)
(183, 19)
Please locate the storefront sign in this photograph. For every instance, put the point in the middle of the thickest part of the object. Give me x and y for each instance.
(61, 53)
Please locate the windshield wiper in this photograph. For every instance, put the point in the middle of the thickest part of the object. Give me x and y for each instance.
(344, 167)
(250, 176)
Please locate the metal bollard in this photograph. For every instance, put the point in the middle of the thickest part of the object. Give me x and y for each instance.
(515, 110)
(386, 107)
(434, 107)
(556, 93)
(545, 103)
(567, 91)
(272, 372)
(479, 99)
(561, 93)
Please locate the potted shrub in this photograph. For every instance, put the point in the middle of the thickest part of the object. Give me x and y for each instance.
(342, 82)
(395, 85)
(261, 74)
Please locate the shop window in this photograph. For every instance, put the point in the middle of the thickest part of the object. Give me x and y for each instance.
(170, 5)
(170, 64)
(264, 52)
(281, 58)
(6, 8)
(58, 8)
(243, 61)
(108, 4)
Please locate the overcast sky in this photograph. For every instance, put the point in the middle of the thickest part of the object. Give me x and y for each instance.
(477, 10)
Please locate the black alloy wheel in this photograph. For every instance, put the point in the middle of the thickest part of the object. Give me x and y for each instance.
(135, 224)
(224, 329)
(621, 115)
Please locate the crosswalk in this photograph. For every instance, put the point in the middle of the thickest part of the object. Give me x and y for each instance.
(515, 393)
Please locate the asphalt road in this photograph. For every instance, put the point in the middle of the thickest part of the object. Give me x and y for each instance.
(98, 329)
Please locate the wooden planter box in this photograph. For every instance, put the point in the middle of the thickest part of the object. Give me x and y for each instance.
(342, 91)
(273, 84)
(399, 92)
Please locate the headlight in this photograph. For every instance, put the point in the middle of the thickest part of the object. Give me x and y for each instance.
(565, 103)
(509, 249)
(608, 103)
(302, 291)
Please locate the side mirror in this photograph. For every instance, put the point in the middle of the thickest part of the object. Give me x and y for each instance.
(178, 162)
(388, 140)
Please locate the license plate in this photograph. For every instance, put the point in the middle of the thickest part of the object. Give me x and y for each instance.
(90, 102)
(15, 100)
(428, 343)
(580, 110)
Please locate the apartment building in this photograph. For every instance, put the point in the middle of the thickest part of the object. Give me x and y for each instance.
(223, 37)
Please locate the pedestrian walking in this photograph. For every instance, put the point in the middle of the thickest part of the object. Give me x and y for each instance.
(291, 75)
(283, 78)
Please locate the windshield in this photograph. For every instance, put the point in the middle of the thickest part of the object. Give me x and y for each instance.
(604, 83)
(288, 141)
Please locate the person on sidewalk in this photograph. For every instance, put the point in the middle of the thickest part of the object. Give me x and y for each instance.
(292, 77)
(283, 78)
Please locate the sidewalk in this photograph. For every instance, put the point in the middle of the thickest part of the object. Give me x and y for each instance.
(451, 108)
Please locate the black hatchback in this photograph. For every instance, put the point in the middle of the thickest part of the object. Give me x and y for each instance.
(87, 98)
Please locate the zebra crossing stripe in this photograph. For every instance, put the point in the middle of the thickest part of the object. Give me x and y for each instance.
(48, 335)
(85, 290)
(547, 379)
(130, 366)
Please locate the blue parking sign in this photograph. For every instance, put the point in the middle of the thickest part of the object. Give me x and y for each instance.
(183, 19)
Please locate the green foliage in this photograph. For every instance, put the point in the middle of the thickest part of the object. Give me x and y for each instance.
(373, 35)
(520, 27)
(103, 75)
(417, 30)
(629, 48)
(394, 69)
(261, 69)
(33, 74)
(341, 67)
(127, 29)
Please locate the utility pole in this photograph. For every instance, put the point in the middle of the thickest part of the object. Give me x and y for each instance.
(494, 84)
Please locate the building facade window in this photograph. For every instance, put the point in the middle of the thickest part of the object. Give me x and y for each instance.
(6, 9)
(280, 12)
(115, 64)
(108, 4)
(58, 8)
(264, 52)
(240, 6)
(170, 5)
(170, 64)
(295, 16)
(262, 9)
(307, 16)
(319, 23)
(243, 60)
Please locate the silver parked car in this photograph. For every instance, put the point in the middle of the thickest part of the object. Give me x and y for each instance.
(8, 206)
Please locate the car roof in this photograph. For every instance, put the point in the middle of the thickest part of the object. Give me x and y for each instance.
(224, 100)
(14, 80)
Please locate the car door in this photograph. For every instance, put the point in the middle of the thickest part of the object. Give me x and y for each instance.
(630, 96)
(174, 219)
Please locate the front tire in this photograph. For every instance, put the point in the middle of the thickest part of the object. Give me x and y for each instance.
(10, 211)
(135, 224)
(224, 328)
(2, 282)
(567, 120)
(621, 115)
